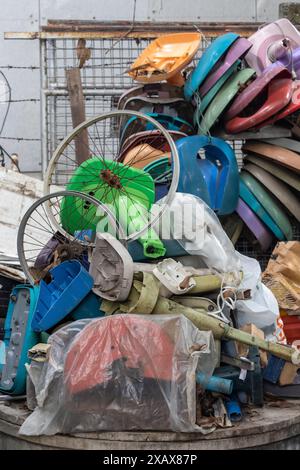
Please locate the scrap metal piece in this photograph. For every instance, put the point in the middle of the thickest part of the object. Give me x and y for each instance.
(240, 362)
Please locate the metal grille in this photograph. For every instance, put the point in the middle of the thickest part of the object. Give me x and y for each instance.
(104, 79)
(247, 248)
(105, 69)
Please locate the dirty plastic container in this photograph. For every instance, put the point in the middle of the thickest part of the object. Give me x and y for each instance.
(70, 284)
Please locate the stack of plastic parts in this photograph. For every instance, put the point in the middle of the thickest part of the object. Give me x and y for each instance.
(274, 154)
(145, 379)
(163, 59)
(269, 204)
(141, 145)
(207, 63)
(269, 188)
(246, 84)
(156, 322)
(243, 114)
(222, 99)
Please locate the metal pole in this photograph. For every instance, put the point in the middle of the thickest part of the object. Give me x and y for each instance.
(43, 107)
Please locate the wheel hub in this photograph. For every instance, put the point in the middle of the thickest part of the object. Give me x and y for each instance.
(111, 179)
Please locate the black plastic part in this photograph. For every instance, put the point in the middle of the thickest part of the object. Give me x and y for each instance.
(6, 286)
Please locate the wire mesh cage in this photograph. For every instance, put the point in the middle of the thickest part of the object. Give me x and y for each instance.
(103, 77)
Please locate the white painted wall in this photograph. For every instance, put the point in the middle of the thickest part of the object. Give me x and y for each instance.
(28, 15)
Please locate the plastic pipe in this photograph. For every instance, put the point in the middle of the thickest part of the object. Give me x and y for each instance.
(233, 410)
(215, 384)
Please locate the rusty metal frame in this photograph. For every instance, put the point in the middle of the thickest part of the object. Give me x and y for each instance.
(61, 29)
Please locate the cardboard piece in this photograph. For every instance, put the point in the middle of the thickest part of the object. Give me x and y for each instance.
(282, 276)
(288, 374)
(40, 352)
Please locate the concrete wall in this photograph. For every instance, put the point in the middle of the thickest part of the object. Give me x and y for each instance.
(19, 15)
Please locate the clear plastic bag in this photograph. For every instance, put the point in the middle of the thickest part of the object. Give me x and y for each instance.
(204, 237)
(122, 372)
(197, 229)
(262, 308)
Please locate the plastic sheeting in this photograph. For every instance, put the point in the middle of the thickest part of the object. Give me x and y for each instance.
(202, 235)
(198, 230)
(123, 372)
(262, 308)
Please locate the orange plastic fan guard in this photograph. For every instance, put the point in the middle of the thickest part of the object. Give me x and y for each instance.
(138, 342)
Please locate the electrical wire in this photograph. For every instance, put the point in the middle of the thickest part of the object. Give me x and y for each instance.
(127, 32)
(19, 139)
(29, 67)
(25, 100)
(224, 301)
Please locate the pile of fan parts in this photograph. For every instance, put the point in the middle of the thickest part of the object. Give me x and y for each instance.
(139, 313)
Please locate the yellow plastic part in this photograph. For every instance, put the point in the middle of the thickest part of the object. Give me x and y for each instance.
(165, 57)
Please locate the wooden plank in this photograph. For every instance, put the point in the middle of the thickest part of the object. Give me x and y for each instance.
(117, 33)
(77, 104)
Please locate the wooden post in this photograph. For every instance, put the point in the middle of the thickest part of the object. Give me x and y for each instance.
(78, 113)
